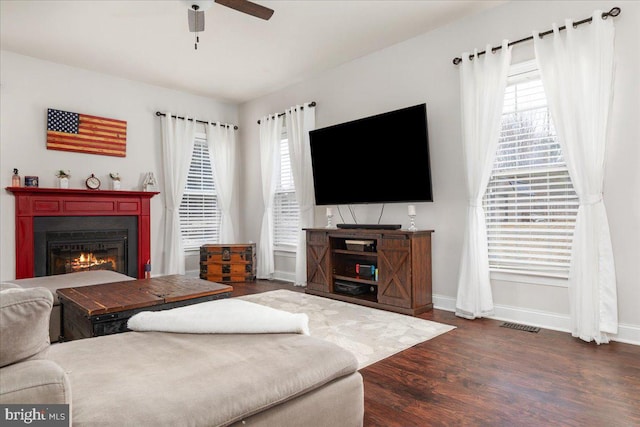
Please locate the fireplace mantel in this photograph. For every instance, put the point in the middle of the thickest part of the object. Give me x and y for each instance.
(35, 202)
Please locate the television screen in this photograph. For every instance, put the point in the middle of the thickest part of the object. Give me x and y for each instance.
(378, 159)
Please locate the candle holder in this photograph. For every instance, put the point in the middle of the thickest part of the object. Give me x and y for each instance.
(329, 220)
(412, 223)
(149, 183)
(411, 210)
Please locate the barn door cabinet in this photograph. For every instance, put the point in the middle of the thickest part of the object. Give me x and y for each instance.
(386, 269)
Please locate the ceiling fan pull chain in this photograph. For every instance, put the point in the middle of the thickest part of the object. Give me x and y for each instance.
(195, 8)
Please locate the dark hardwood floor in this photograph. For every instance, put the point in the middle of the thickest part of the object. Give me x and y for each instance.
(481, 374)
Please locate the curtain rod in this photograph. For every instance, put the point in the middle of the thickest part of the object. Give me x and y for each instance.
(311, 104)
(158, 113)
(613, 12)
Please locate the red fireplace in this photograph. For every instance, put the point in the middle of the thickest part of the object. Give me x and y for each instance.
(69, 244)
(65, 230)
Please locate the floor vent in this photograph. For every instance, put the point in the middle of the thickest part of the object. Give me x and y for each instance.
(525, 328)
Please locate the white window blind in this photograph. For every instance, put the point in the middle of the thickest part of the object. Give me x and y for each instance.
(199, 213)
(530, 203)
(286, 211)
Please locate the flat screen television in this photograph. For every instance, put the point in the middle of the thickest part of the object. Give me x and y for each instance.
(378, 159)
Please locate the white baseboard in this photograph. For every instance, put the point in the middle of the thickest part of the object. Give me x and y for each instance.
(192, 273)
(286, 276)
(278, 275)
(629, 334)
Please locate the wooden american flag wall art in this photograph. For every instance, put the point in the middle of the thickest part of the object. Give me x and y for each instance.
(82, 133)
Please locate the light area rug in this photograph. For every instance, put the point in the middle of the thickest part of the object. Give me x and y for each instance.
(369, 333)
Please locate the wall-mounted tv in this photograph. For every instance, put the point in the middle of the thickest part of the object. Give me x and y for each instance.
(378, 159)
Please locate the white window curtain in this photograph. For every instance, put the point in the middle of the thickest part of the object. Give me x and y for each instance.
(483, 81)
(270, 133)
(577, 74)
(299, 122)
(177, 147)
(221, 140)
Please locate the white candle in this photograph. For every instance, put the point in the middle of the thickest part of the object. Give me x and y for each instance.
(412, 210)
(329, 212)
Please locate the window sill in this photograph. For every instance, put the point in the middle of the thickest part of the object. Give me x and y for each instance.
(530, 279)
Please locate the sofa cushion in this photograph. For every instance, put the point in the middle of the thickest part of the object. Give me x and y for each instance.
(34, 382)
(337, 404)
(6, 285)
(70, 280)
(24, 323)
(157, 378)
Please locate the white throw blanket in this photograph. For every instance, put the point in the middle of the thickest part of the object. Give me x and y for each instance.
(225, 316)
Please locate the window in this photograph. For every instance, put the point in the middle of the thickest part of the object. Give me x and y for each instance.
(199, 212)
(285, 206)
(530, 203)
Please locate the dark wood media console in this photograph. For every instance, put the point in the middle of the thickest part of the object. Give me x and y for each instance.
(402, 259)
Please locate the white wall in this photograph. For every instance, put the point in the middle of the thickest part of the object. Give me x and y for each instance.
(420, 70)
(29, 86)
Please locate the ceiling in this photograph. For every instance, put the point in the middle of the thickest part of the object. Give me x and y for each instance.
(239, 57)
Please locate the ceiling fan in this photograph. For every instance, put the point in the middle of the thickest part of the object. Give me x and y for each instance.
(197, 8)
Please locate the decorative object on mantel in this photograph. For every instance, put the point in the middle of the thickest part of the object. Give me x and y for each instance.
(30, 181)
(93, 183)
(115, 180)
(63, 178)
(149, 183)
(15, 179)
(82, 133)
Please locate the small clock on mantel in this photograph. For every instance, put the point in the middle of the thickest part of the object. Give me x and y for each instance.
(93, 183)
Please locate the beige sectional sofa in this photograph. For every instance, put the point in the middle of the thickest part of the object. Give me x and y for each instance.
(70, 280)
(158, 378)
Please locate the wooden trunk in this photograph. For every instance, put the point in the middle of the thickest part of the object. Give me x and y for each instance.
(228, 263)
(104, 309)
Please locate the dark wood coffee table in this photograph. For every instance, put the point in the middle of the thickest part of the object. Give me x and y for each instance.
(95, 310)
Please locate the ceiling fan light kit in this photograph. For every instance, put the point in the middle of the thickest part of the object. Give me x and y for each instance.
(195, 13)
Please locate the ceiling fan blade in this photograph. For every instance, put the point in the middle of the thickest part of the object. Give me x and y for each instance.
(250, 8)
(196, 20)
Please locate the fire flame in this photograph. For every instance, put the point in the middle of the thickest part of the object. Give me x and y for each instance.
(87, 260)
